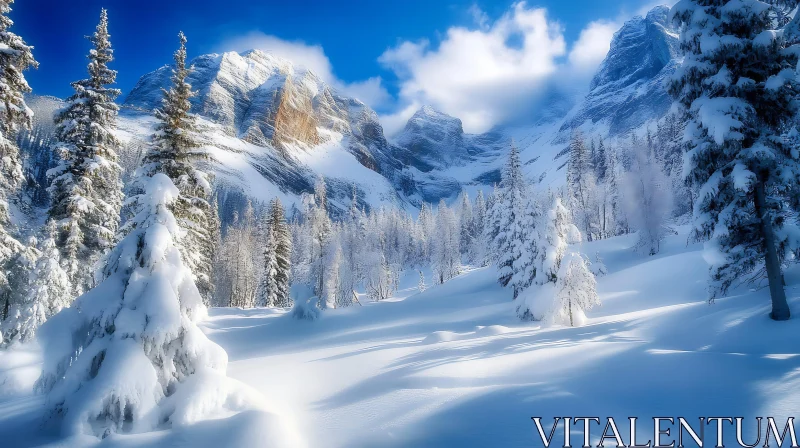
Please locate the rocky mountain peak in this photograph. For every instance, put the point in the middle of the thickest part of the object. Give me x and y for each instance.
(640, 49)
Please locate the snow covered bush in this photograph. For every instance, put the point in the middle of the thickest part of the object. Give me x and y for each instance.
(127, 356)
(575, 292)
(597, 267)
(306, 309)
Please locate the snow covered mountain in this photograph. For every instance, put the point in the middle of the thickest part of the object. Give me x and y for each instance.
(627, 93)
(629, 87)
(273, 128)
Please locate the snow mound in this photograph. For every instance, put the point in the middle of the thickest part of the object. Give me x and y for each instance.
(491, 330)
(20, 365)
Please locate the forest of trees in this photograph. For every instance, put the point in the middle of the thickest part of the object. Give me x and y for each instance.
(686, 164)
(125, 246)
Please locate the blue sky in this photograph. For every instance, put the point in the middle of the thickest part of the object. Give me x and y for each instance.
(394, 55)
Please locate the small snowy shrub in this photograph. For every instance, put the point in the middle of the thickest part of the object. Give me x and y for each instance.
(306, 309)
(115, 359)
(597, 267)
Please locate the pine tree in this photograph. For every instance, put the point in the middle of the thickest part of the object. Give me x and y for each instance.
(320, 226)
(14, 113)
(269, 286)
(116, 360)
(446, 253)
(575, 292)
(277, 258)
(581, 183)
(738, 87)
(466, 227)
(85, 186)
(479, 230)
(421, 286)
(46, 293)
(601, 162)
(507, 218)
(176, 151)
(553, 233)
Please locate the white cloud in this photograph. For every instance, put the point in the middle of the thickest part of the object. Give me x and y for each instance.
(311, 57)
(482, 76)
(592, 45)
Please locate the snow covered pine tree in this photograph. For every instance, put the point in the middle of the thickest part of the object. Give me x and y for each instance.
(176, 152)
(85, 186)
(738, 85)
(128, 355)
(15, 57)
(506, 225)
(47, 292)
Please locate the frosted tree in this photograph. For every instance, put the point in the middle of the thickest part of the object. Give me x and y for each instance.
(551, 246)
(320, 228)
(421, 286)
(269, 283)
(331, 286)
(277, 258)
(506, 220)
(239, 250)
(479, 230)
(446, 255)
(176, 152)
(738, 85)
(15, 58)
(526, 246)
(127, 356)
(46, 293)
(466, 227)
(648, 202)
(85, 186)
(575, 292)
(580, 183)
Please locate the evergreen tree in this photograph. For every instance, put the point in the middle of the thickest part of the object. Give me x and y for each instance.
(479, 230)
(421, 286)
(581, 183)
(320, 228)
(118, 357)
(738, 87)
(176, 151)
(601, 162)
(269, 286)
(446, 253)
(277, 258)
(554, 231)
(85, 186)
(507, 220)
(46, 293)
(14, 113)
(575, 292)
(466, 227)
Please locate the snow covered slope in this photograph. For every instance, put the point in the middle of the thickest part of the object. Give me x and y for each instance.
(453, 366)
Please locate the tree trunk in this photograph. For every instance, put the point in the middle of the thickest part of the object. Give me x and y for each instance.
(780, 309)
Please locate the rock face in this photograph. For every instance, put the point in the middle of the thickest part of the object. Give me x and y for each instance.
(267, 101)
(629, 88)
